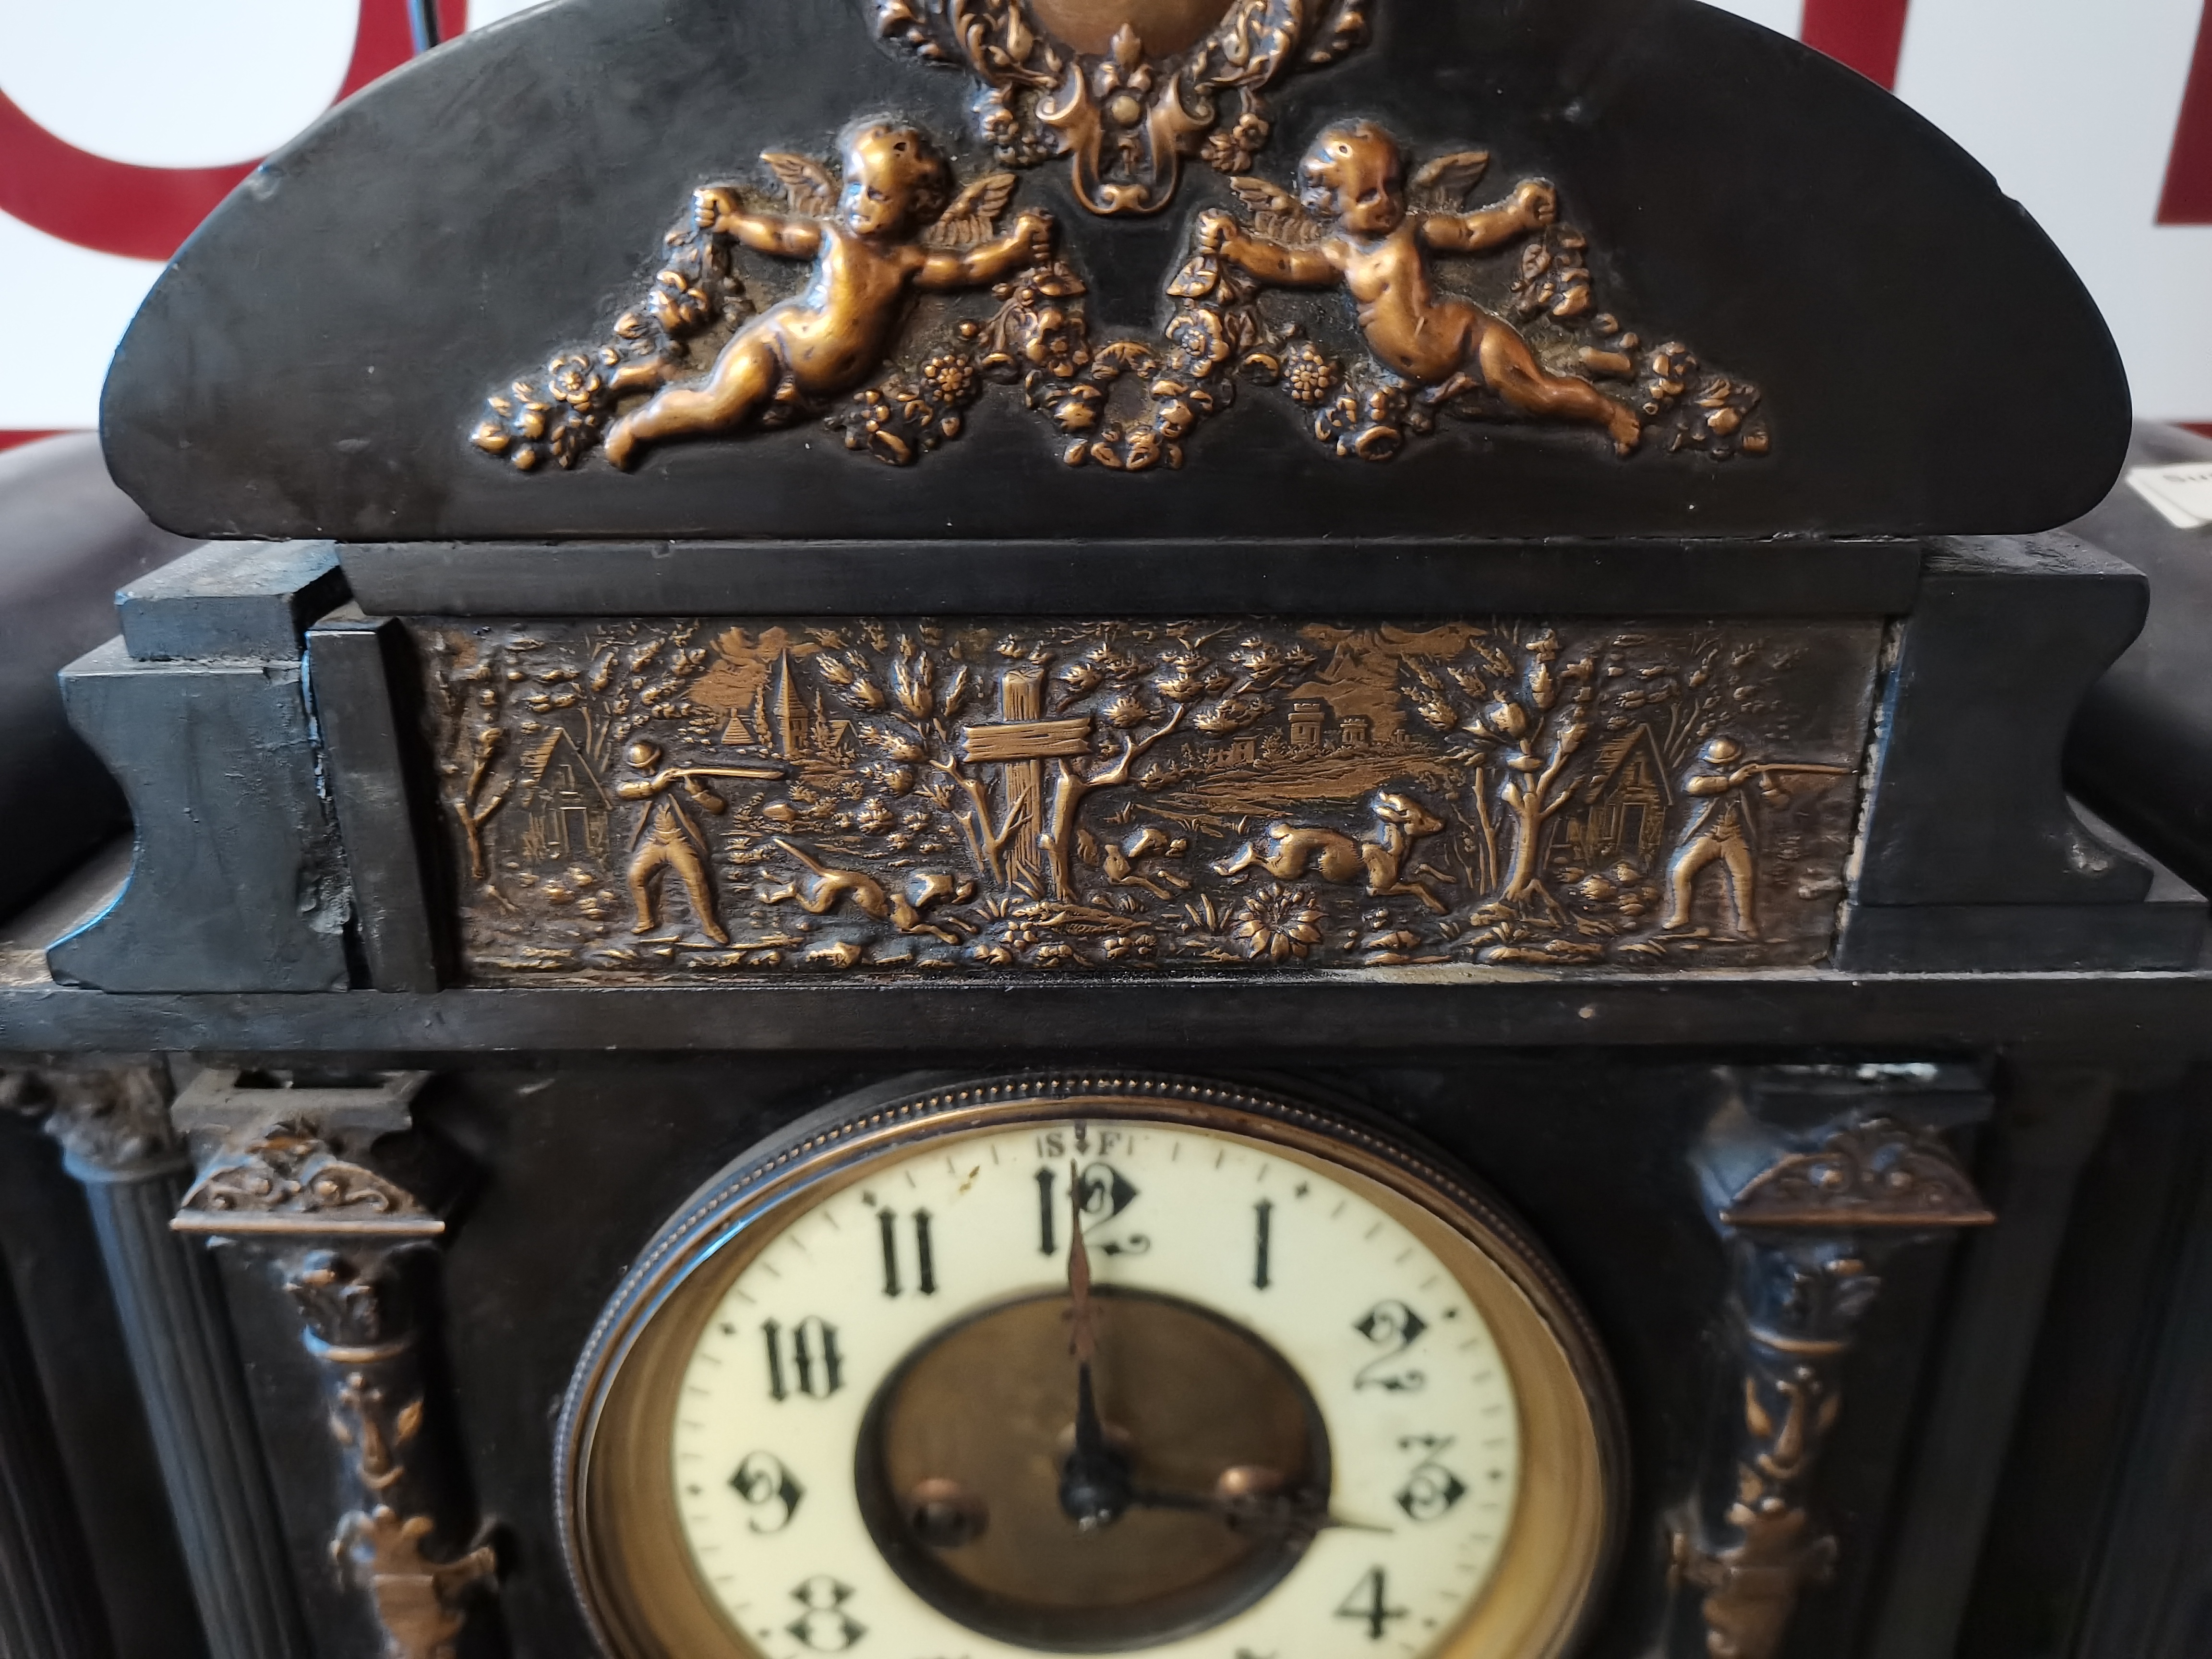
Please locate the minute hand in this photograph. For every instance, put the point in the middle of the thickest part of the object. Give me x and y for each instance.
(1094, 1482)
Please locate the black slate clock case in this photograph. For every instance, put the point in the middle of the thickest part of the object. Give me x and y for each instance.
(1810, 1181)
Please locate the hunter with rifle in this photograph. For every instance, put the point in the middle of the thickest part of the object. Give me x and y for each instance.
(1722, 829)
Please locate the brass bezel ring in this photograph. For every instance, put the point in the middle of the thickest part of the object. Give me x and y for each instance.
(621, 1538)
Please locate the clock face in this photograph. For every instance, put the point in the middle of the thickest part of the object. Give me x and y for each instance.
(1174, 1379)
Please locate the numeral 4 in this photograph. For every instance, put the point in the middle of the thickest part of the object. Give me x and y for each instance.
(1369, 1604)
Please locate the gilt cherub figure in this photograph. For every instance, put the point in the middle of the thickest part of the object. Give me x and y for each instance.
(886, 235)
(1352, 225)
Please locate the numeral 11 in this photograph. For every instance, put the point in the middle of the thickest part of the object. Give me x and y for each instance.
(925, 1263)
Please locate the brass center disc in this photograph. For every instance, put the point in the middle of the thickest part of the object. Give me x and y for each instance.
(1166, 26)
(989, 1405)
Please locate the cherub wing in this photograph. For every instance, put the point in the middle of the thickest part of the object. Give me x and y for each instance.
(807, 184)
(1276, 214)
(1451, 177)
(974, 213)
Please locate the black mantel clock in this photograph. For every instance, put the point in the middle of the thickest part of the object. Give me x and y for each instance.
(1220, 828)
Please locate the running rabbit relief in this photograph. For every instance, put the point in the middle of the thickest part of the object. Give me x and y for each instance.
(649, 800)
(1418, 306)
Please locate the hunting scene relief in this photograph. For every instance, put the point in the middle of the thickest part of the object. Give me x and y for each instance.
(648, 800)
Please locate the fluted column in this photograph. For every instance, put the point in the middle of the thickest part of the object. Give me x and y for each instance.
(49, 1604)
(114, 1129)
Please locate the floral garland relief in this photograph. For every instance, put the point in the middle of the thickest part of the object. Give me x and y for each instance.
(1369, 369)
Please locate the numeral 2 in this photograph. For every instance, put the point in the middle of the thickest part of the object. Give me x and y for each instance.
(1394, 1328)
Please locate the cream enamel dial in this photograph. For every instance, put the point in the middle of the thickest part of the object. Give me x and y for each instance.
(1419, 1413)
(1086, 1382)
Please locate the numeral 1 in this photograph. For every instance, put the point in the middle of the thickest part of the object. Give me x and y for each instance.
(925, 1261)
(1046, 1210)
(1263, 1215)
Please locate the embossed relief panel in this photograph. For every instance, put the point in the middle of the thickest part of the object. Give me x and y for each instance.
(1374, 292)
(653, 799)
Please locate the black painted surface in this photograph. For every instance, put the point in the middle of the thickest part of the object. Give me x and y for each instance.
(314, 359)
(2050, 1121)
(230, 599)
(2141, 748)
(1968, 806)
(49, 1604)
(350, 664)
(2152, 1595)
(1877, 938)
(2113, 1289)
(1159, 577)
(235, 884)
(2129, 1020)
(67, 537)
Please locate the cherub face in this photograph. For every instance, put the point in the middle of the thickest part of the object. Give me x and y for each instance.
(894, 181)
(1352, 175)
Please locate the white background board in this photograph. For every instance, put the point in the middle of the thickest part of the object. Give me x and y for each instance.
(2071, 104)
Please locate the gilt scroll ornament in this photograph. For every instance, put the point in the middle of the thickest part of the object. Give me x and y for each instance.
(357, 1323)
(1808, 1235)
(289, 1179)
(638, 799)
(1879, 1173)
(1127, 90)
(710, 350)
(284, 1178)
